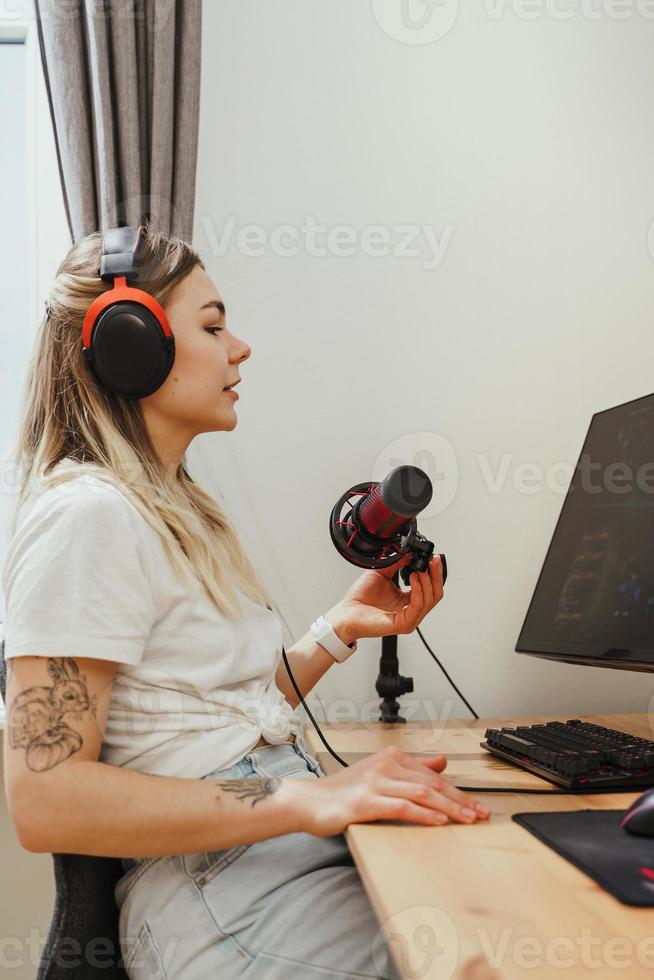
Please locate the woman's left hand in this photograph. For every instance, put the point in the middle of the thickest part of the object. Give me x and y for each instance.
(375, 606)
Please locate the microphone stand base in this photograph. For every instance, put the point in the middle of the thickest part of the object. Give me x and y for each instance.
(390, 683)
(391, 719)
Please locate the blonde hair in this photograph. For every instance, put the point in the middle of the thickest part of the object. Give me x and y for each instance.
(68, 414)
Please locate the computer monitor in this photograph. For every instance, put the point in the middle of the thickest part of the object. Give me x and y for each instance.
(594, 600)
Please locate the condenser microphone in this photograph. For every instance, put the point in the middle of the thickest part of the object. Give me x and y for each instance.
(380, 526)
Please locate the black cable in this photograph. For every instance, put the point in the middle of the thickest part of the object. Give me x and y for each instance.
(315, 723)
(549, 792)
(467, 703)
(313, 720)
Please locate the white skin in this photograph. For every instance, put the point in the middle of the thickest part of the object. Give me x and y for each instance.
(207, 358)
(192, 400)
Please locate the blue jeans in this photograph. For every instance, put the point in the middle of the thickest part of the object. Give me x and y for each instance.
(291, 907)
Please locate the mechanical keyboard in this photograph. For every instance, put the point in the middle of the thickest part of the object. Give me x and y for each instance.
(576, 754)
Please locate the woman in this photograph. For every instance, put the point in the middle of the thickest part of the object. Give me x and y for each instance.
(148, 716)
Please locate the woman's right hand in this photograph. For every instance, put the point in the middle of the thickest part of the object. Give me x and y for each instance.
(387, 785)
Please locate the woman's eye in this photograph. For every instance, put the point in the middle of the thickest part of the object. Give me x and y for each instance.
(209, 329)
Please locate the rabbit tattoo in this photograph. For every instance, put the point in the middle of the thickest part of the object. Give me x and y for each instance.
(36, 721)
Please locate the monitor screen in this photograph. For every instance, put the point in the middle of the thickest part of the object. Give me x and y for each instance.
(594, 599)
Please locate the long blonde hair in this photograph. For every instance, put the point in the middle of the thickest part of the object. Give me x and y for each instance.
(68, 414)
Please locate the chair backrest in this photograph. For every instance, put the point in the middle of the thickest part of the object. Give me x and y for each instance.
(82, 941)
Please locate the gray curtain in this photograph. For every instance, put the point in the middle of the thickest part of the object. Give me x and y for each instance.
(123, 83)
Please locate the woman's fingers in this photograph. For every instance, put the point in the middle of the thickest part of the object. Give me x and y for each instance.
(390, 570)
(425, 795)
(410, 614)
(418, 584)
(436, 572)
(395, 808)
(413, 770)
(428, 591)
(437, 762)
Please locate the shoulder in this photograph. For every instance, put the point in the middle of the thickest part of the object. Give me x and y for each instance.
(82, 498)
(85, 512)
(83, 528)
(75, 558)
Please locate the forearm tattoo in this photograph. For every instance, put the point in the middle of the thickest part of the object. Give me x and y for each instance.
(258, 788)
(36, 716)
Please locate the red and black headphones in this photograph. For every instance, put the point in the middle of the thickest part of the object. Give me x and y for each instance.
(126, 337)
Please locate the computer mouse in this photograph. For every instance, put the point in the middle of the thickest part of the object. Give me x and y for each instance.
(639, 818)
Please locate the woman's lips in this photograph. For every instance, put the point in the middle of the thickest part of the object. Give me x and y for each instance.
(232, 393)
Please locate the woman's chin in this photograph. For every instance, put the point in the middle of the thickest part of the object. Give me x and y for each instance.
(225, 422)
(231, 421)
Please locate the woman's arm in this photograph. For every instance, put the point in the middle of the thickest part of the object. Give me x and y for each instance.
(308, 660)
(95, 808)
(62, 800)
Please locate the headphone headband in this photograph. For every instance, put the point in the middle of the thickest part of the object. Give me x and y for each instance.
(120, 253)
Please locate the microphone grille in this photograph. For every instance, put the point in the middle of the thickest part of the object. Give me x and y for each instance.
(402, 494)
(376, 517)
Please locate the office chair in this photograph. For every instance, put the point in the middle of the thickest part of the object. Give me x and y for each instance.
(82, 941)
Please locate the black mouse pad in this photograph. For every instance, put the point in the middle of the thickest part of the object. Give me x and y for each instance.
(593, 840)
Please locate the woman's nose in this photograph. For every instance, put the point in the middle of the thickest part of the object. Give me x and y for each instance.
(246, 350)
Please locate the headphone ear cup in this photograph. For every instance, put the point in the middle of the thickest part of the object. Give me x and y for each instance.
(129, 351)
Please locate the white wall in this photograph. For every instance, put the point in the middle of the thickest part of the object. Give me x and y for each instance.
(532, 141)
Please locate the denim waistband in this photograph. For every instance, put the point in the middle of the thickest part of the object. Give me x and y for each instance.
(275, 758)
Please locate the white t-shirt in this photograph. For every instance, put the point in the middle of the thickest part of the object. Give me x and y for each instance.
(86, 576)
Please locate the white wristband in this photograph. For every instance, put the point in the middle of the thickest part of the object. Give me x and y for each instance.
(324, 634)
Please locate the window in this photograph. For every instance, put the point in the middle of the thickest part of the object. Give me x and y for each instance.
(31, 204)
(14, 253)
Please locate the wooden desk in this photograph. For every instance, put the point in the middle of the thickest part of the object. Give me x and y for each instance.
(493, 899)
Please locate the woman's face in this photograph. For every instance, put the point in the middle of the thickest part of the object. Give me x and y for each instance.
(192, 399)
